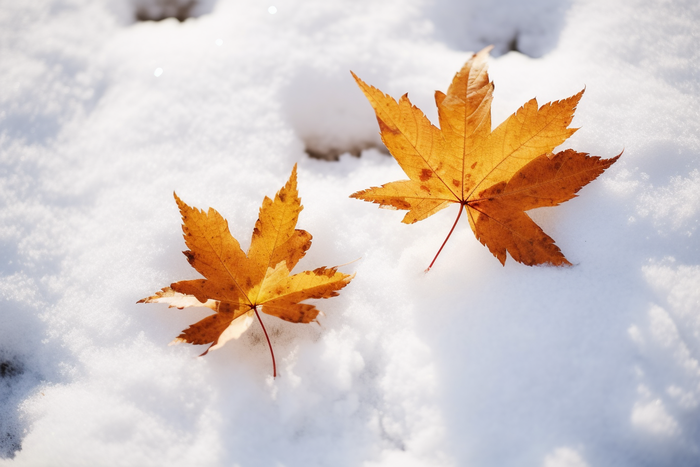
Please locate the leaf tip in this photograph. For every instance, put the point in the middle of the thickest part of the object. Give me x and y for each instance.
(486, 50)
(358, 80)
(178, 200)
(614, 159)
(357, 194)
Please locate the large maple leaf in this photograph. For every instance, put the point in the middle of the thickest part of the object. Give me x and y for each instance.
(238, 285)
(496, 175)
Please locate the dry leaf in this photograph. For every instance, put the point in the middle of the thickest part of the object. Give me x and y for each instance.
(238, 285)
(496, 175)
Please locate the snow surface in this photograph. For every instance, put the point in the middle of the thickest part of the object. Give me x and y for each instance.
(473, 364)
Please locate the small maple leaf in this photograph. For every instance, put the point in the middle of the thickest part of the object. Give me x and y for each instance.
(496, 175)
(238, 285)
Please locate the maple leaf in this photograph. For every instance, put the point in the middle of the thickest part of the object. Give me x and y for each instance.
(238, 285)
(496, 175)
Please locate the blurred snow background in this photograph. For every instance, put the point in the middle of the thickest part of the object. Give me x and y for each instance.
(104, 115)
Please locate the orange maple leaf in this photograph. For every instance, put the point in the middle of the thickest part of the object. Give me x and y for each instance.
(237, 284)
(496, 175)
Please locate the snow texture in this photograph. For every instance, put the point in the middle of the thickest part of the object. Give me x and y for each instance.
(103, 116)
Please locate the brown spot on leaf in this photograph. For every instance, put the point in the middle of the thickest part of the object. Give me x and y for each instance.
(400, 204)
(425, 175)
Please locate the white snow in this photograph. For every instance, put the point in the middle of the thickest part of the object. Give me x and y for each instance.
(103, 117)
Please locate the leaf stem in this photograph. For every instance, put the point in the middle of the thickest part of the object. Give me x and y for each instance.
(461, 208)
(274, 366)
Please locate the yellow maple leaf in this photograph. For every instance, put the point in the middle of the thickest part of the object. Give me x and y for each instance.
(238, 285)
(496, 175)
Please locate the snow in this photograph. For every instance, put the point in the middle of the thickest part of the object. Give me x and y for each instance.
(103, 117)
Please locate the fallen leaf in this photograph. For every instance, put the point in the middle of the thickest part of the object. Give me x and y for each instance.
(496, 175)
(238, 285)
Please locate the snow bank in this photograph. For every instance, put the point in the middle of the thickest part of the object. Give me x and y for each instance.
(103, 117)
